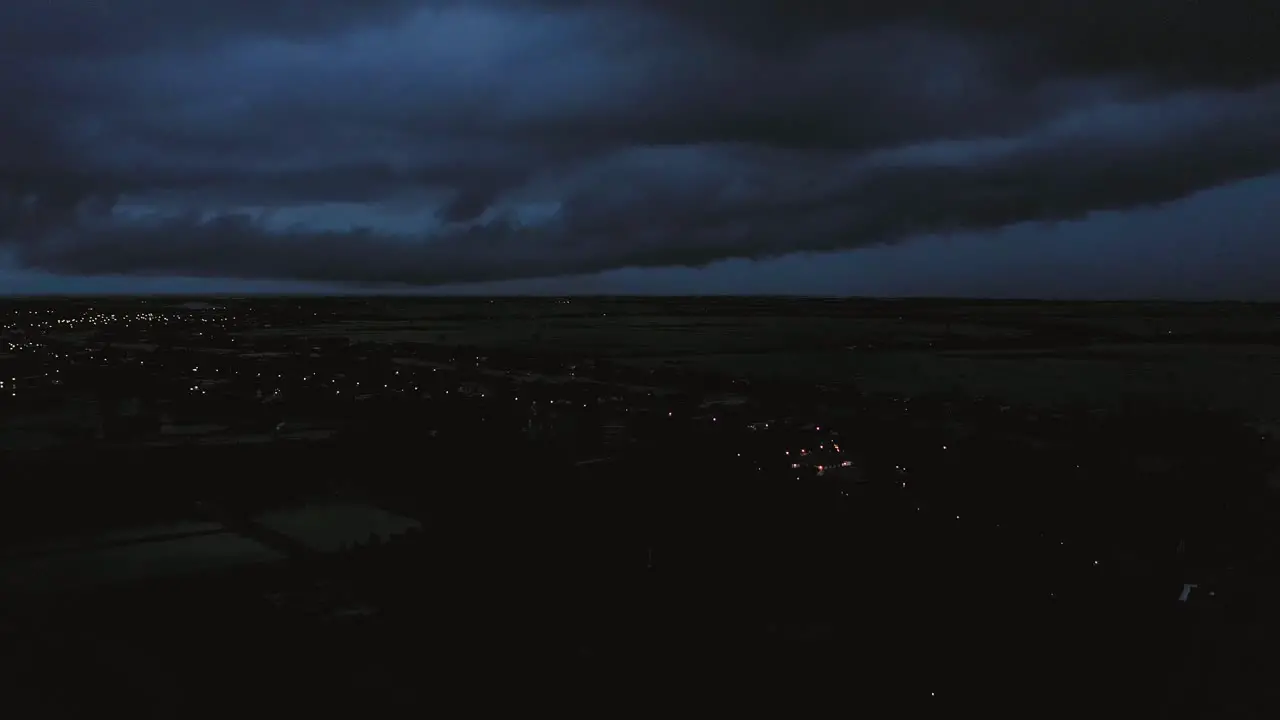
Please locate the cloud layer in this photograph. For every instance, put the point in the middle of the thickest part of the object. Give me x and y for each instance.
(425, 143)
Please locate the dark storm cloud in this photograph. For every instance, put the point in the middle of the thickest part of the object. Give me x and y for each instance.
(1227, 42)
(559, 136)
(38, 38)
(77, 28)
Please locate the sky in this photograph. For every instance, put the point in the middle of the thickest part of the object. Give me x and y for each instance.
(987, 148)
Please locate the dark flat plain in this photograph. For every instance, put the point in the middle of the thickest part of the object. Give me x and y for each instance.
(1222, 356)
(536, 581)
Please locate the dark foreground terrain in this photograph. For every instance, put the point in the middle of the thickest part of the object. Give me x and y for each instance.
(188, 490)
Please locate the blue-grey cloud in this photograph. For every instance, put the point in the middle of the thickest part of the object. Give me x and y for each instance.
(291, 140)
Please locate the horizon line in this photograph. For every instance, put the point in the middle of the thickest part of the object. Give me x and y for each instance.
(300, 295)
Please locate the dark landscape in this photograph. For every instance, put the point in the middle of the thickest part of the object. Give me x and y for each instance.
(297, 504)
(432, 358)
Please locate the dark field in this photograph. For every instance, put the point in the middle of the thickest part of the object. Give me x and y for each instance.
(1219, 356)
(597, 524)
